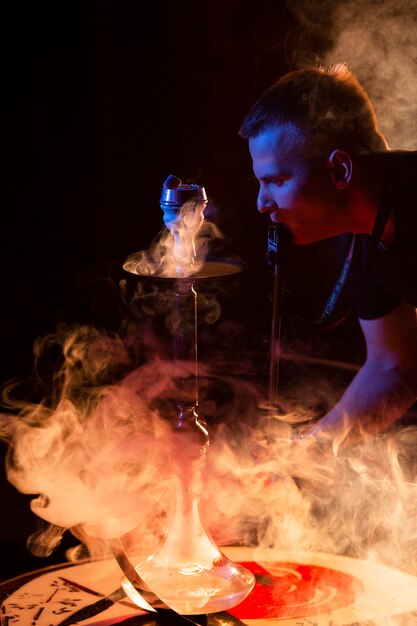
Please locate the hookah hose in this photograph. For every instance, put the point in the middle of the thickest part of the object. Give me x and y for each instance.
(279, 239)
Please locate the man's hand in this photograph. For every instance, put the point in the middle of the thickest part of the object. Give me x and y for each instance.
(386, 385)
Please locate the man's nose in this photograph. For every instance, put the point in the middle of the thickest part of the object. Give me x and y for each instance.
(265, 204)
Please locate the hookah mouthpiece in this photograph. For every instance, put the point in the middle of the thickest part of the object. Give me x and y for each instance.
(174, 194)
(278, 243)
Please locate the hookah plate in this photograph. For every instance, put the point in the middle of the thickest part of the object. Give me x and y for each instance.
(211, 268)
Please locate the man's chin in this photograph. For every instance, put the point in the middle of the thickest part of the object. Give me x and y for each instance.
(305, 239)
(299, 239)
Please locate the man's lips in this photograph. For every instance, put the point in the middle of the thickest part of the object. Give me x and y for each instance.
(274, 217)
(277, 217)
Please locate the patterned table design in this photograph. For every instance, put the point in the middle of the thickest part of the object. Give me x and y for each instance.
(292, 589)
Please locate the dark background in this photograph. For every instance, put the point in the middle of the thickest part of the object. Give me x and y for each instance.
(102, 100)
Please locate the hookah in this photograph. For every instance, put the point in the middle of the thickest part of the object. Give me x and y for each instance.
(188, 572)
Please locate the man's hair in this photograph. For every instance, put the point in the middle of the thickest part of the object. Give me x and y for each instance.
(328, 106)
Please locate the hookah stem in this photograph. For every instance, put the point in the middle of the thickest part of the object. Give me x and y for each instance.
(185, 339)
(186, 463)
(189, 447)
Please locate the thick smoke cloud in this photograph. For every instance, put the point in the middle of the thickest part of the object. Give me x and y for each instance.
(378, 41)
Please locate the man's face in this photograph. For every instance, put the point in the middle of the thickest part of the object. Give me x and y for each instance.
(294, 190)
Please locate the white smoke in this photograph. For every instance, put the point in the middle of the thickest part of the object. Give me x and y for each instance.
(377, 39)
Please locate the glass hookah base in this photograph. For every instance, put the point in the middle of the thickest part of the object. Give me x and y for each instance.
(189, 589)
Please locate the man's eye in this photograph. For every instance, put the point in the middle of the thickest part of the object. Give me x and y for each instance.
(278, 182)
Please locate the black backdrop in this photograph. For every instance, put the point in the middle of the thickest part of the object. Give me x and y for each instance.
(102, 101)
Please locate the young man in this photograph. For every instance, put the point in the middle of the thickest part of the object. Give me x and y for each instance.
(325, 170)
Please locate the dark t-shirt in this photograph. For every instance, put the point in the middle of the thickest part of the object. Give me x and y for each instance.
(392, 277)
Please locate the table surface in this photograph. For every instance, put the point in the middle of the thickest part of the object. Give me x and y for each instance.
(293, 588)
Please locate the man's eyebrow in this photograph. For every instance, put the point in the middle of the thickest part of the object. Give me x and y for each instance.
(274, 176)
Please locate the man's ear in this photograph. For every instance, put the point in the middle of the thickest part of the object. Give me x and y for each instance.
(340, 163)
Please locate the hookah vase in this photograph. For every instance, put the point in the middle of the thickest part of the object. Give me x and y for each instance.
(187, 571)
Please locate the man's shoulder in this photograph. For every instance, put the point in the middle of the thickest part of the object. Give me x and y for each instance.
(403, 159)
(401, 179)
(396, 157)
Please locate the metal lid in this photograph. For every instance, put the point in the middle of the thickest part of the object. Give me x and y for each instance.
(175, 193)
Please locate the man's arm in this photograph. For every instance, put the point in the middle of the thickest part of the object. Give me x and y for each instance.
(385, 386)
